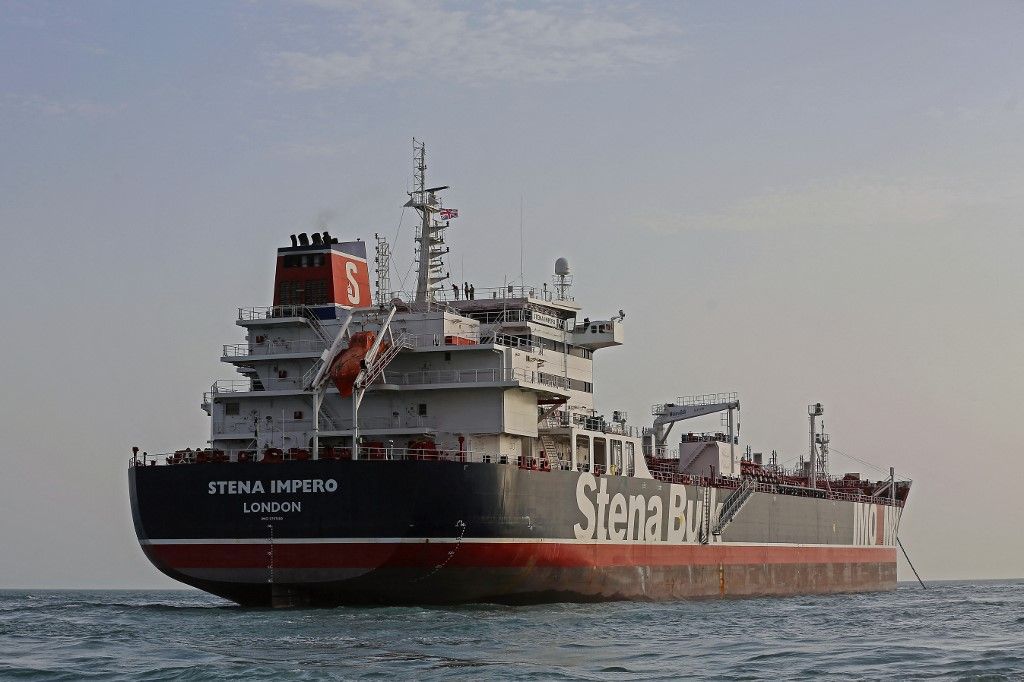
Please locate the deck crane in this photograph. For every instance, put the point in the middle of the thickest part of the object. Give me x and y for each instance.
(370, 370)
(667, 414)
(321, 378)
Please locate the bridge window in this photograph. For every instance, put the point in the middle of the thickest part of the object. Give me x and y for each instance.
(584, 386)
(231, 409)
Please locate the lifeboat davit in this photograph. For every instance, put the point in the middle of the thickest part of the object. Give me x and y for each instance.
(346, 366)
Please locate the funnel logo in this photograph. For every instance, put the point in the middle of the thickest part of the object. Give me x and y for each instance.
(351, 271)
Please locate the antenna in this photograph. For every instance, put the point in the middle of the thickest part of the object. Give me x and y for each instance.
(563, 278)
(522, 246)
(383, 261)
(822, 439)
(813, 412)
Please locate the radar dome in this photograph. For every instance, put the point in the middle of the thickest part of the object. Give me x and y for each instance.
(562, 266)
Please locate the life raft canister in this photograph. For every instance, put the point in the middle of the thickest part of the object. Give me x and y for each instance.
(272, 456)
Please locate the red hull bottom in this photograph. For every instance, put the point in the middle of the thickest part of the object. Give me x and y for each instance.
(392, 573)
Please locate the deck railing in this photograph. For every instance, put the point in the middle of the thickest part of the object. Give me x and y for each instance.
(446, 294)
(368, 452)
(268, 430)
(270, 312)
(460, 376)
(563, 420)
(422, 377)
(315, 346)
(255, 385)
(273, 347)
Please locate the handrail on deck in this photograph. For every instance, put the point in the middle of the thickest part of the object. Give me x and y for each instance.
(426, 377)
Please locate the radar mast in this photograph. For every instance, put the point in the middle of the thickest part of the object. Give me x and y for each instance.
(430, 247)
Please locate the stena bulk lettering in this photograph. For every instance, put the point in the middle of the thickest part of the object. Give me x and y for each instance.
(677, 513)
(584, 483)
(617, 517)
(653, 528)
(621, 518)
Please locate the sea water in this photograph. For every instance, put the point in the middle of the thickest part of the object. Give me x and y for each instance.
(960, 630)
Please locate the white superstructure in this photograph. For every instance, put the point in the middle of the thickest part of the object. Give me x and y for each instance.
(504, 370)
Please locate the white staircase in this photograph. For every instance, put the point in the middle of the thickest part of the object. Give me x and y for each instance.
(549, 447)
(733, 504)
(314, 323)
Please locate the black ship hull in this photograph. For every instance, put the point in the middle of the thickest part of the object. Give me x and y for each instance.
(333, 532)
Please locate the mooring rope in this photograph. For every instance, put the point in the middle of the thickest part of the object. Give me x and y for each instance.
(907, 557)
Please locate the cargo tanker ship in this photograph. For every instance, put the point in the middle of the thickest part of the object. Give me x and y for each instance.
(442, 446)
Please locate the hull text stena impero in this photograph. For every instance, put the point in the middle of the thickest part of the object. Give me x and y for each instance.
(442, 446)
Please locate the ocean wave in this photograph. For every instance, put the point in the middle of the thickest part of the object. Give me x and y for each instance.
(950, 630)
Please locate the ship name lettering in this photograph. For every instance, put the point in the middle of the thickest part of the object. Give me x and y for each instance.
(304, 485)
(295, 485)
(617, 517)
(234, 487)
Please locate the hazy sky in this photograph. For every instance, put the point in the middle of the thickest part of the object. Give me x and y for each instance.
(801, 202)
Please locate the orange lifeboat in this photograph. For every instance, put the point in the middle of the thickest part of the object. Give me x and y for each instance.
(346, 366)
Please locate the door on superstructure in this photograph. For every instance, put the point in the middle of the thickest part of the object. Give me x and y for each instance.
(582, 453)
(615, 466)
(600, 455)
